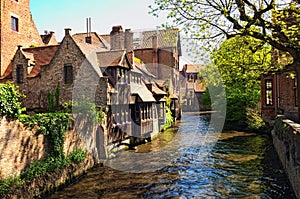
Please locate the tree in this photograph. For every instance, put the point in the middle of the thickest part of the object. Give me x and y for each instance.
(270, 21)
(241, 61)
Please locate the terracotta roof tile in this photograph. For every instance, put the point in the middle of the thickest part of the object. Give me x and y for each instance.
(194, 68)
(8, 73)
(42, 56)
(97, 40)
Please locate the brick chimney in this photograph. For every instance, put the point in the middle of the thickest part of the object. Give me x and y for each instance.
(128, 40)
(67, 31)
(117, 38)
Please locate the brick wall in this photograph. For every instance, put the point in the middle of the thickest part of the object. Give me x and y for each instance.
(19, 146)
(27, 34)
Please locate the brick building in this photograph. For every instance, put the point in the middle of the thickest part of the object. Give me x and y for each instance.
(279, 87)
(192, 87)
(16, 28)
(279, 95)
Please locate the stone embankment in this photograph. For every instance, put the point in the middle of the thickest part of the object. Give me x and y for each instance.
(286, 139)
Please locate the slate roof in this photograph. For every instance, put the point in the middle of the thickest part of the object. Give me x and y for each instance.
(165, 38)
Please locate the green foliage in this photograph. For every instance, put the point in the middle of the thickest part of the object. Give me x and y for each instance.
(38, 168)
(77, 156)
(9, 101)
(87, 109)
(53, 99)
(169, 118)
(50, 164)
(240, 62)
(53, 126)
(9, 184)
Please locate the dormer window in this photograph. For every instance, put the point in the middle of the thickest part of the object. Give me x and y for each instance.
(68, 74)
(19, 74)
(14, 23)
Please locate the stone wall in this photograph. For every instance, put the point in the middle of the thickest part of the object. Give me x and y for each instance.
(19, 146)
(286, 139)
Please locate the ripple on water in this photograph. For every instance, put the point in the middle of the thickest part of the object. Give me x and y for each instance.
(238, 165)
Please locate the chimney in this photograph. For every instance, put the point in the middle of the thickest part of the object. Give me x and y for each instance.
(117, 38)
(154, 42)
(67, 31)
(51, 32)
(128, 40)
(19, 47)
(88, 38)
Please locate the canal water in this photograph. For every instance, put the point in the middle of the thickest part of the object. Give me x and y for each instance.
(235, 165)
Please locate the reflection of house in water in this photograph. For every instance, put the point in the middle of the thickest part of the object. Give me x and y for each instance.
(192, 87)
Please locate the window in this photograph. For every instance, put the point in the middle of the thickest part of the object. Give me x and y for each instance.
(14, 23)
(68, 74)
(269, 92)
(19, 74)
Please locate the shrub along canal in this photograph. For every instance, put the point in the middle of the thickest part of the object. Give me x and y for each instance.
(238, 165)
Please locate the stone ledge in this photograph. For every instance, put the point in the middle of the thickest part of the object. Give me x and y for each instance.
(49, 182)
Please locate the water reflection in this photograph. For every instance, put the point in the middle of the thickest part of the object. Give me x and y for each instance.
(238, 165)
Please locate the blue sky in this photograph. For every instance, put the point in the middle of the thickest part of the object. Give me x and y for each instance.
(55, 15)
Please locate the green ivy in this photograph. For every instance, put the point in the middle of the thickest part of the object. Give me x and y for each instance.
(53, 126)
(169, 118)
(9, 101)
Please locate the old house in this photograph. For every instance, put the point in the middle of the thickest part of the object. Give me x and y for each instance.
(279, 95)
(159, 112)
(85, 67)
(17, 28)
(160, 51)
(192, 87)
(279, 86)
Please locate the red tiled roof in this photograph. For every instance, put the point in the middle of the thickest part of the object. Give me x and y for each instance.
(42, 56)
(37, 56)
(97, 40)
(8, 73)
(194, 68)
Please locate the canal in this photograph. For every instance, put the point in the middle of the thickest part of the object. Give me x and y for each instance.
(235, 165)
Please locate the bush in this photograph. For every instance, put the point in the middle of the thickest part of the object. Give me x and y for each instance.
(9, 101)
